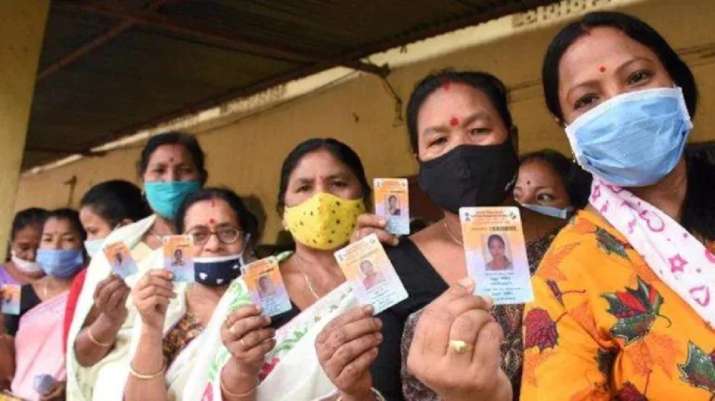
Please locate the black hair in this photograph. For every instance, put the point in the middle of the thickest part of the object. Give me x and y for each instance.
(576, 180)
(33, 216)
(495, 237)
(188, 141)
(698, 209)
(339, 150)
(71, 216)
(635, 29)
(247, 220)
(484, 82)
(116, 200)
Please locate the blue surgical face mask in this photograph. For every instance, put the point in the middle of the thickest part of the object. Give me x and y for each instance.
(93, 246)
(60, 263)
(634, 139)
(549, 210)
(165, 197)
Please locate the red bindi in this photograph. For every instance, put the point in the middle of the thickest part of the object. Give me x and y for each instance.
(602, 68)
(446, 84)
(212, 221)
(454, 121)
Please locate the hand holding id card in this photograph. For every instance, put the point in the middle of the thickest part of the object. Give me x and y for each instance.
(120, 259)
(371, 274)
(178, 257)
(265, 283)
(10, 299)
(495, 251)
(392, 203)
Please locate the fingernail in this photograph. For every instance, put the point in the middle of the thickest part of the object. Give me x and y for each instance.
(395, 241)
(368, 309)
(379, 337)
(258, 308)
(378, 323)
(382, 222)
(232, 330)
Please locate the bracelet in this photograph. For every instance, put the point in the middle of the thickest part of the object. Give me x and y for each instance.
(146, 377)
(237, 395)
(94, 340)
(377, 394)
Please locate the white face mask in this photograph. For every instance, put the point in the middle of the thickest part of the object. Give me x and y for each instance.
(93, 246)
(25, 266)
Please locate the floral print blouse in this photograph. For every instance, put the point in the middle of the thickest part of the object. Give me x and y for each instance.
(604, 327)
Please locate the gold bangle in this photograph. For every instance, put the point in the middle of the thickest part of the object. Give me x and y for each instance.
(146, 377)
(94, 340)
(237, 395)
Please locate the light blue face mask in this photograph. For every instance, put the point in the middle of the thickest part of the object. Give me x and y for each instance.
(60, 263)
(93, 246)
(634, 139)
(165, 197)
(549, 210)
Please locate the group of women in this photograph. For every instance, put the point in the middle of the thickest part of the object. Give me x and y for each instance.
(622, 307)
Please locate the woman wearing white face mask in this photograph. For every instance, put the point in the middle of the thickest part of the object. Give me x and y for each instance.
(24, 240)
(171, 167)
(105, 207)
(625, 298)
(172, 342)
(39, 351)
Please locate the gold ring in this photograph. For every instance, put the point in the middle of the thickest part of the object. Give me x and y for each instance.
(459, 346)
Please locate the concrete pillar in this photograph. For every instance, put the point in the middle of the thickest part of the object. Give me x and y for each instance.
(22, 28)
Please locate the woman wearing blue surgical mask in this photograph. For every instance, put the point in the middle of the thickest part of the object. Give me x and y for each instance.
(171, 167)
(223, 231)
(551, 184)
(39, 350)
(625, 298)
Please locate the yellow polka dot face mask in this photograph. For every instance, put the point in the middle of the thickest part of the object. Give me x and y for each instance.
(324, 221)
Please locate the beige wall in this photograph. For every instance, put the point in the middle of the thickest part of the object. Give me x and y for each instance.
(246, 154)
(22, 26)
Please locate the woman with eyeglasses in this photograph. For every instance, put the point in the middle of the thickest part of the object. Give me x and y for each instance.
(175, 319)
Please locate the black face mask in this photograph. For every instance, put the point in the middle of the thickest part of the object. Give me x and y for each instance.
(470, 175)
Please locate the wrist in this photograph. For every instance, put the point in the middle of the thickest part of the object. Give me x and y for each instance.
(237, 384)
(236, 371)
(151, 335)
(105, 327)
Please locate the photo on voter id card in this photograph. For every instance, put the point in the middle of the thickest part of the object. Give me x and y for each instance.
(371, 274)
(10, 295)
(178, 257)
(495, 251)
(265, 283)
(392, 203)
(120, 259)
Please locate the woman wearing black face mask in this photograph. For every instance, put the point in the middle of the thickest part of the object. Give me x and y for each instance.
(462, 134)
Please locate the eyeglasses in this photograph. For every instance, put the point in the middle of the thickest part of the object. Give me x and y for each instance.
(226, 235)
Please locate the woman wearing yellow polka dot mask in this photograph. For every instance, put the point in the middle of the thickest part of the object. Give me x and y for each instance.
(322, 191)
